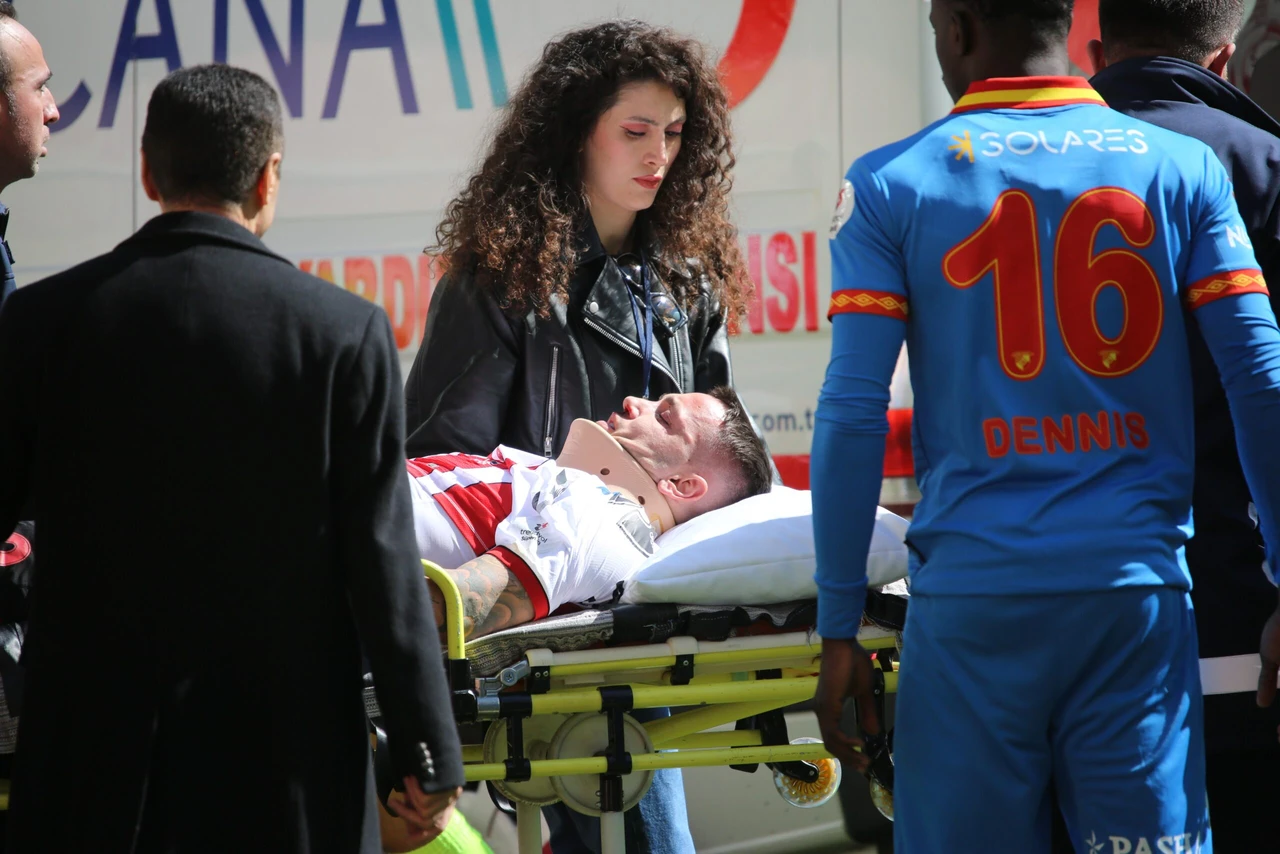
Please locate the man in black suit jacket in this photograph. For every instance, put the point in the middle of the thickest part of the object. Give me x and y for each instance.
(212, 445)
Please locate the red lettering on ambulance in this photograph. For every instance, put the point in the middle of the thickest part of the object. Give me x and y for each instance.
(810, 241)
(1063, 436)
(324, 270)
(1098, 432)
(755, 307)
(780, 291)
(781, 252)
(1025, 436)
(400, 298)
(996, 432)
(360, 276)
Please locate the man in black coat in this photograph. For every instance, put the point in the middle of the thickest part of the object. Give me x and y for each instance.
(212, 446)
(1164, 61)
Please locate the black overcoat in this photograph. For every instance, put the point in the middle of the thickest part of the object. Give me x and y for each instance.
(211, 444)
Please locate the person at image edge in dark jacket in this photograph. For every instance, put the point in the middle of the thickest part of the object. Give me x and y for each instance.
(1164, 61)
(211, 444)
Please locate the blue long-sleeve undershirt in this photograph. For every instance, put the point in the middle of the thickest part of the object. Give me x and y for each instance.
(847, 461)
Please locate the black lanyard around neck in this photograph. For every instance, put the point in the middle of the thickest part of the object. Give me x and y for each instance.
(644, 326)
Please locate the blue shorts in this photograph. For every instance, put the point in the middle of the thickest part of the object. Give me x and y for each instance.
(1098, 692)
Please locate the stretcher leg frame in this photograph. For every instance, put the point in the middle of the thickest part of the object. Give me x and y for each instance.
(613, 836)
(528, 828)
(722, 682)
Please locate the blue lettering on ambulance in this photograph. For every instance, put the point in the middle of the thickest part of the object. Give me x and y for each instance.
(386, 35)
(288, 70)
(453, 53)
(131, 46)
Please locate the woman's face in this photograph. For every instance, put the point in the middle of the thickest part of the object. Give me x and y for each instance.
(632, 147)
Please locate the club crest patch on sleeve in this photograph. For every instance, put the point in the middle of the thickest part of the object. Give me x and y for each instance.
(844, 207)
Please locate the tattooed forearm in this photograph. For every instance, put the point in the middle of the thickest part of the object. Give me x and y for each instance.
(492, 598)
(512, 608)
(481, 582)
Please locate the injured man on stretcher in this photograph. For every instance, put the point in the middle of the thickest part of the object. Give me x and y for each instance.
(522, 535)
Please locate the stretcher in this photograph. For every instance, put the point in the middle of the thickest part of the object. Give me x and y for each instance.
(544, 709)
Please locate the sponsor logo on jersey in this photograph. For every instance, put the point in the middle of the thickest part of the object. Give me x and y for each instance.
(1022, 143)
(1181, 843)
(637, 529)
(529, 535)
(1237, 236)
(542, 499)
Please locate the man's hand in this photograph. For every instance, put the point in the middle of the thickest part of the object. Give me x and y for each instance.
(424, 816)
(1269, 650)
(846, 672)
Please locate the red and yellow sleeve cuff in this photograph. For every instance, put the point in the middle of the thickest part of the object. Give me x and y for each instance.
(862, 301)
(1227, 284)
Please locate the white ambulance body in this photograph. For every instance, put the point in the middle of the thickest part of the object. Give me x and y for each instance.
(388, 104)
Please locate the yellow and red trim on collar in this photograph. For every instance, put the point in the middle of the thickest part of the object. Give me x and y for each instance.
(1027, 93)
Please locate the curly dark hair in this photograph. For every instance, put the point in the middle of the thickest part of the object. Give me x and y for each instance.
(516, 221)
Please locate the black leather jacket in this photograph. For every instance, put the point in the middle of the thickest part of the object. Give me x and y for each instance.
(485, 377)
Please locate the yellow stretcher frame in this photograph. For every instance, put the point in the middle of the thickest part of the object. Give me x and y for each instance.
(726, 686)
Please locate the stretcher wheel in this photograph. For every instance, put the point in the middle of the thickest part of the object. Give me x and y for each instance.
(882, 799)
(585, 735)
(808, 795)
(538, 733)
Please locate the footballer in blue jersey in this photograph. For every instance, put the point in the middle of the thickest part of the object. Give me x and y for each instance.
(1039, 253)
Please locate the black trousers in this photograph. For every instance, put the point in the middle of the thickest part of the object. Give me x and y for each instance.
(1244, 789)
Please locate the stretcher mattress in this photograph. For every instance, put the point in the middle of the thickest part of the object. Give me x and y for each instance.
(630, 624)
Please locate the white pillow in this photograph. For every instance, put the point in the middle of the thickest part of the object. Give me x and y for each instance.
(756, 552)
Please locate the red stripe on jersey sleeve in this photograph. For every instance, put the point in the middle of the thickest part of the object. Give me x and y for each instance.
(861, 301)
(1228, 284)
(477, 509)
(532, 586)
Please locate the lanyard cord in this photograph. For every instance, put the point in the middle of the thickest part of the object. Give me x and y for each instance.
(644, 328)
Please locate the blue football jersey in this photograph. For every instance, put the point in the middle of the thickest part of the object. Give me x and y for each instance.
(1041, 249)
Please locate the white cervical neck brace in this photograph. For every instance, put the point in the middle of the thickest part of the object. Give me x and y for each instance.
(590, 448)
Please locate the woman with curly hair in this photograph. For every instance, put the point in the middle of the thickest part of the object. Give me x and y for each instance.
(591, 257)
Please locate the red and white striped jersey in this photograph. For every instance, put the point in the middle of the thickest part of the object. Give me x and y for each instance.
(565, 535)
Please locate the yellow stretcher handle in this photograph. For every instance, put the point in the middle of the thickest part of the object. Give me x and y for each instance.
(453, 629)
